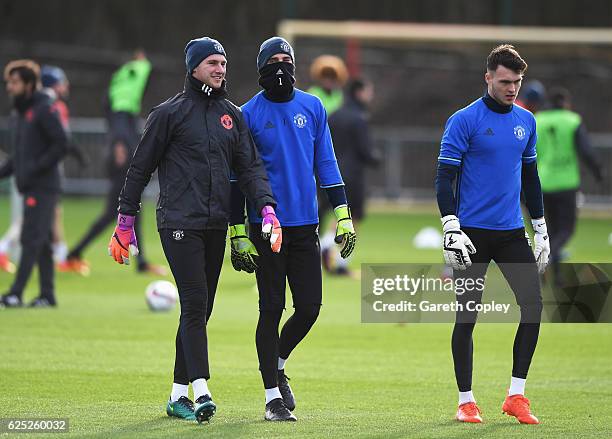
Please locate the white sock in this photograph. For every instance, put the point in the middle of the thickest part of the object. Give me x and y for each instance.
(272, 394)
(179, 390)
(340, 261)
(5, 245)
(281, 363)
(200, 388)
(517, 386)
(466, 397)
(60, 251)
(327, 240)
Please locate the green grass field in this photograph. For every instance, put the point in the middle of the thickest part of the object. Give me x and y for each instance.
(105, 362)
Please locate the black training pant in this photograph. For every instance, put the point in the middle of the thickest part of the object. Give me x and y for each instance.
(560, 208)
(195, 258)
(510, 250)
(36, 238)
(122, 128)
(107, 217)
(298, 262)
(355, 195)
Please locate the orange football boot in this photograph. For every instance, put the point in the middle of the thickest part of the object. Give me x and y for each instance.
(74, 265)
(468, 412)
(6, 264)
(518, 406)
(155, 270)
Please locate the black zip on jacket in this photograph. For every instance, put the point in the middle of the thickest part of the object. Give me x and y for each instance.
(195, 140)
(39, 143)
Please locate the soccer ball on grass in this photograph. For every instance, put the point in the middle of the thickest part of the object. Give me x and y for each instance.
(161, 295)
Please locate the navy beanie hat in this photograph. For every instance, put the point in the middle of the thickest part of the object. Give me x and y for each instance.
(271, 47)
(51, 75)
(534, 91)
(200, 49)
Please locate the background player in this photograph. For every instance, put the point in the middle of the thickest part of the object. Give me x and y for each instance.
(329, 75)
(39, 146)
(125, 94)
(562, 140)
(355, 151)
(57, 87)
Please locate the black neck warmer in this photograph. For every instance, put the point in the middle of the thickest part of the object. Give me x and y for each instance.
(496, 106)
(277, 80)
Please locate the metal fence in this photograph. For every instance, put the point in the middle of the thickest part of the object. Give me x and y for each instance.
(410, 158)
(407, 170)
(90, 135)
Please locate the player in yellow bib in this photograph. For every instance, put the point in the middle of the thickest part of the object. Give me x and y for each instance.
(562, 140)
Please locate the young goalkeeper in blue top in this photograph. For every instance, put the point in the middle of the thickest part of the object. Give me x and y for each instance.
(489, 148)
(290, 130)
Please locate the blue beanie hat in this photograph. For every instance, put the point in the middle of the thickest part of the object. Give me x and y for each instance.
(200, 49)
(51, 75)
(271, 47)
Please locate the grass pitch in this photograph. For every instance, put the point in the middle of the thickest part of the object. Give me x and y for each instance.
(105, 362)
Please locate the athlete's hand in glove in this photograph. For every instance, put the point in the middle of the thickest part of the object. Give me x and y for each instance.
(541, 245)
(123, 242)
(345, 232)
(457, 245)
(244, 254)
(271, 228)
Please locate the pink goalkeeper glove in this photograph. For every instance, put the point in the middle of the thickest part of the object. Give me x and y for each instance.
(123, 242)
(271, 228)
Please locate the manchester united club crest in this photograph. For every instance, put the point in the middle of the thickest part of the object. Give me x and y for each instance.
(227, 121)
(29, 115)
(519, 132)
(300, 120)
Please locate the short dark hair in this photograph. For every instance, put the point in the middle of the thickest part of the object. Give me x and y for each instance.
(507, 56)
(28, 71)
(355, 86)
(559, 97)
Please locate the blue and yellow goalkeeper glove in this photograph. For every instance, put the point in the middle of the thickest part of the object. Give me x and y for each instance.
(244, 254)
(345, 232)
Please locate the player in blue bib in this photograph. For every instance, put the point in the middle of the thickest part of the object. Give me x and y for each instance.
(488, 153)
(290, 130)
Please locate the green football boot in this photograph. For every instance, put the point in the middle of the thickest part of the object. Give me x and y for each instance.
(182, 408)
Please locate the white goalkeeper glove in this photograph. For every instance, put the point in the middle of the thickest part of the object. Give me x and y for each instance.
(457, 245)
(541, 244)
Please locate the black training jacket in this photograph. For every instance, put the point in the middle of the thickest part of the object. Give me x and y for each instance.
(352, 143)
(39, 143)
(195, 140)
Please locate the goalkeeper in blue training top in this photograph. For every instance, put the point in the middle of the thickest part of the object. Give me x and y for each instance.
(488, 147)
(290, 130)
